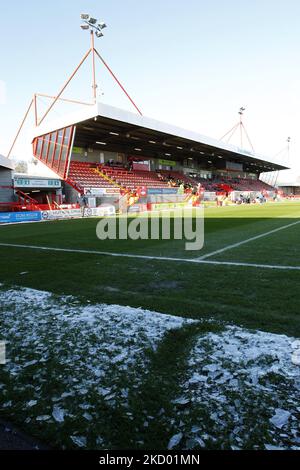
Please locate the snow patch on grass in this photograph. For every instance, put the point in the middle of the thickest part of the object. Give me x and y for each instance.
(70, 367)
(245, 388)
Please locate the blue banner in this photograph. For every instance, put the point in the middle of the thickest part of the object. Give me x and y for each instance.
(156, 191)
(15, 217)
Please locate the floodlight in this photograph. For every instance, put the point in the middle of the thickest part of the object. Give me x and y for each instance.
(92, 23)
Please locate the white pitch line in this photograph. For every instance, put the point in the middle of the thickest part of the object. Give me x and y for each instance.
(236, 245)
(93, 252)
(153, 258)
(250, 265)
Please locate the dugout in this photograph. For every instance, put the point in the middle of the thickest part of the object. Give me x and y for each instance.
(41, 190)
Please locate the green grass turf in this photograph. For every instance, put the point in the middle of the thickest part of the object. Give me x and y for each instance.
(223, 226)
(257, 298)
(247, 296)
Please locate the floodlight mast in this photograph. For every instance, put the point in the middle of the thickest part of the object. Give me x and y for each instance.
(241, 127)
(90, 24)
(287, 151)
(284, 154)
(241, 113)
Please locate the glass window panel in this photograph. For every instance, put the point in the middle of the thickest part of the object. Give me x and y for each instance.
(52, 148)
(67, 135)
(45, 147)
(58, 147)
(63, 160)
(39, 147)
(66, 149)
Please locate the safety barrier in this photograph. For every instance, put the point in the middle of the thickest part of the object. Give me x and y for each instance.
(16, 217)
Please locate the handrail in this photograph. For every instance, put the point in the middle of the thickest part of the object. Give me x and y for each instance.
(107, 178)
(27, 200)
(26, 196)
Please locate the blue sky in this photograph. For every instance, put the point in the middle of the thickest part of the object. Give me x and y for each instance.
(192, 63)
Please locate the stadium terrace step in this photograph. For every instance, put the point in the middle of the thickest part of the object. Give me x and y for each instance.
(86, 175)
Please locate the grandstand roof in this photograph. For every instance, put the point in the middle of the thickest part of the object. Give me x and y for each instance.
(117, 130)
(5, 163)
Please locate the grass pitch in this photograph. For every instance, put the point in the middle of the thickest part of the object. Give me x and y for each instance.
(244, 295)
(249, 296)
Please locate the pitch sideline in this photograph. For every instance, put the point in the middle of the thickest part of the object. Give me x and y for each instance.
(248, 240)
(151, 258)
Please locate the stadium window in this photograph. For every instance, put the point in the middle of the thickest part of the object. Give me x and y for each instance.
(61, 157)
(45, 148)
(67, 135)
(62, 164)
(51, 149)
(38, 147)
(67, 142)
(58, 145)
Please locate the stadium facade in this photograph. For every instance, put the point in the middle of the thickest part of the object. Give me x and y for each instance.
(291, 189)
(102, 152)
(102, 149)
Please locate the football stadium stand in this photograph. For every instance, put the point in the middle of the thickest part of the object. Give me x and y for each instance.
(108, 148)
(103, 153)
(84, 176)
(134, 178)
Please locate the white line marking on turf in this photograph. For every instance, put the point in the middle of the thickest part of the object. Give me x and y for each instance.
(250, 265)
(236, 245)
(153, 258)
(93, 252)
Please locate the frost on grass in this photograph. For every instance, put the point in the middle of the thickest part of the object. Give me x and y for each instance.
(70, 367)
(242, 392)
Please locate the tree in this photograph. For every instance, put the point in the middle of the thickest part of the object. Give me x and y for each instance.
(21, 166)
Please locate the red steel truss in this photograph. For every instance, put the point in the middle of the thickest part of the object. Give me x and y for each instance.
(34, 104)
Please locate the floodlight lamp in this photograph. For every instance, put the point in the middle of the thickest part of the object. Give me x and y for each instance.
(99, 34)
(92, 21)
(84, 26)
(102, 25)
(84, 16)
